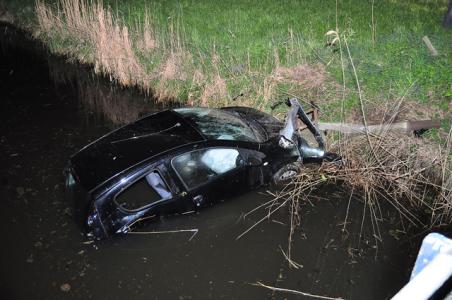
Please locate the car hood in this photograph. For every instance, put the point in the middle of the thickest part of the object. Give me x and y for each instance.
(271, 125)
(129, 145)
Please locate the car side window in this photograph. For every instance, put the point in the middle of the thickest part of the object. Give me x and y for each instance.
(147, 190)
(200, 166)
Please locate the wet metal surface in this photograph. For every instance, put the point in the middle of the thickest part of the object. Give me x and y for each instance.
(44, 255)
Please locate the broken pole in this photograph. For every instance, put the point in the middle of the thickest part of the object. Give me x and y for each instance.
(404, 127)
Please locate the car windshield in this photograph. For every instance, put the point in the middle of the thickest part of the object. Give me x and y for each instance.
(219, 125)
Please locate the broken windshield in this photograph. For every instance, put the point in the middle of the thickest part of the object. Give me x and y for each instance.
(220, 125)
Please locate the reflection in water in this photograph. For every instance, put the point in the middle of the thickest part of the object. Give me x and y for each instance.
(99, 95)
(44, 255)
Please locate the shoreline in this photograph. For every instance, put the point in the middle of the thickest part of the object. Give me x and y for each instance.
(165, 64)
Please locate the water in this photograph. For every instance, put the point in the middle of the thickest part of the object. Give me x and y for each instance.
(43, 252)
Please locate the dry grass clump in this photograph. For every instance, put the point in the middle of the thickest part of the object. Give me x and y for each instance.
(113, 49)
(214, 91)
(137, 56)
(171, 69)
(298, 78)
(309, 77)
(408, 172)
(414, 175)
(150, 40)
(94, 26)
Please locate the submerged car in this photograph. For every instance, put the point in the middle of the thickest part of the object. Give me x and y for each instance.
(176, 161)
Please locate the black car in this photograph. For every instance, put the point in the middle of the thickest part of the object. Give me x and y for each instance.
(176, 161)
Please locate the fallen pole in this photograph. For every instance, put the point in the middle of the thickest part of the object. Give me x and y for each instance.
(404, 127)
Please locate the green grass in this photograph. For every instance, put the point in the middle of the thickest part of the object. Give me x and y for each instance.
(248, 32)
(398, 59)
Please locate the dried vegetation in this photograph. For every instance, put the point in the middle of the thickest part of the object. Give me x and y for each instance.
(158, 62)
(413, 175)
(94, 27)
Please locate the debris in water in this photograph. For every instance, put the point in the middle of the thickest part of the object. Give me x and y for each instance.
(65, 287)
(194, 231)
(276, 289)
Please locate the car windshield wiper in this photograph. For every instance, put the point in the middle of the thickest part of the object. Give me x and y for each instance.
(146, 135)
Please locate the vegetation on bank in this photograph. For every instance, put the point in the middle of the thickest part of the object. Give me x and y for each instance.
(253, 53)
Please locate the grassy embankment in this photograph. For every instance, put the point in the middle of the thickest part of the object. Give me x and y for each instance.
(209, 53)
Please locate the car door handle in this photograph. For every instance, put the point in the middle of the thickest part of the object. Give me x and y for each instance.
(198, 200)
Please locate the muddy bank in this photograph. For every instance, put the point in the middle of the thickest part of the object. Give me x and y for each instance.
(44, 255)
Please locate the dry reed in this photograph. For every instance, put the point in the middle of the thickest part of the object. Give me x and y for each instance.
(413, 175)
(94, 25)
(156, 60)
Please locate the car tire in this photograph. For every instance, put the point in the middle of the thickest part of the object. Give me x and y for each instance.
(286, 173)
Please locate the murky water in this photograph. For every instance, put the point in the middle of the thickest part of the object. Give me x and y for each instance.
(44, 255)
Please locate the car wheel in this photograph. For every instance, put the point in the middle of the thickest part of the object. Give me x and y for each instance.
(286, 173)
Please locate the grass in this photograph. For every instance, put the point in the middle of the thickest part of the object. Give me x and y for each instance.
(208, 52)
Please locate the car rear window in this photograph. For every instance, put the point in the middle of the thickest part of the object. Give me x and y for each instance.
(147, 190)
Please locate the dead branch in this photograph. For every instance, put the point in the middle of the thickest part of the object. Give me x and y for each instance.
(194, 231)
(412, 175)
(290, 261)
(276, 289)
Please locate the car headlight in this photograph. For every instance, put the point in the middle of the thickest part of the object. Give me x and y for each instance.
(285, 143)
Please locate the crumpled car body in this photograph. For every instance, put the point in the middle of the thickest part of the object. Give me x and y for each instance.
(171, 162)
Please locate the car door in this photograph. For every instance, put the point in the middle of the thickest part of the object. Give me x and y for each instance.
(212, 174)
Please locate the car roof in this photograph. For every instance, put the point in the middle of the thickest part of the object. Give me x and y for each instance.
(131, 144)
